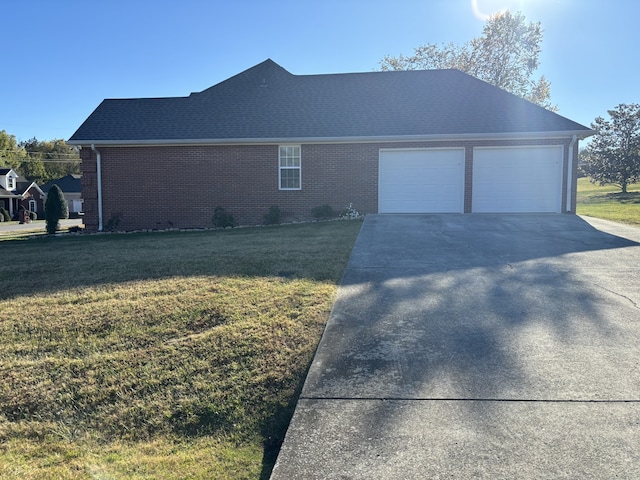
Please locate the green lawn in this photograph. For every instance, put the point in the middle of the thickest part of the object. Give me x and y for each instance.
(160, 355)
(608, 202)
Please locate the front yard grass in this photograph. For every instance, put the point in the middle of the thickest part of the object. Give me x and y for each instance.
(160, 355)
(608, 202)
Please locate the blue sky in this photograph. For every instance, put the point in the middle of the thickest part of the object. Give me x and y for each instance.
(63, 57)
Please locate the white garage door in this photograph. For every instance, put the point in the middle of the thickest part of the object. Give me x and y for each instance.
(517, 179)
(421, 181)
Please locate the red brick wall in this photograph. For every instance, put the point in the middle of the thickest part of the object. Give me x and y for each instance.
(179, 186)
(89, 189)
(33, 194)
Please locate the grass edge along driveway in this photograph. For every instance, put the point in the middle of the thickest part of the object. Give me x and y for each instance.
(160, 355)
(608, 202)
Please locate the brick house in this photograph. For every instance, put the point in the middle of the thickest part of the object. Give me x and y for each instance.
(16, 192)
(388, 142)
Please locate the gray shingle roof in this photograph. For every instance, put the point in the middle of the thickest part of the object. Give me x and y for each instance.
(267, 102)
(68, 184)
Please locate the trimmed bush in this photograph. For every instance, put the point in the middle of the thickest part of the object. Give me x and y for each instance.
(323, 212)
(55, 208)
(272, 217)
(113, 223)
(222, 219)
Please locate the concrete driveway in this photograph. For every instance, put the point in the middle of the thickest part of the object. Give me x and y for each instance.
(477, 346)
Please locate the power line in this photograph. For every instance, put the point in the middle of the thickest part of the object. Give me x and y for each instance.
(52, 160)
(51, 153)
(43, 160)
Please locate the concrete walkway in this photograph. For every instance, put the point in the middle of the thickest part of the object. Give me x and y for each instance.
(477, 346)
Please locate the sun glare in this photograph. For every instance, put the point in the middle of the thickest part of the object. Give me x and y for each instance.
(479, 13)
(488, 8)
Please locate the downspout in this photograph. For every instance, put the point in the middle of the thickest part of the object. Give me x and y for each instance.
(99, 175)
(570, 173)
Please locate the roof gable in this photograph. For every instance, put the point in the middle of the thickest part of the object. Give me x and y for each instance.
(266, 102)
(24, 185)
(6, 171)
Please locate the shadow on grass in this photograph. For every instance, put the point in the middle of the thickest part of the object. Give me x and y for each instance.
(624, 198)
(612, 198)
(316, 251)
(275, 429)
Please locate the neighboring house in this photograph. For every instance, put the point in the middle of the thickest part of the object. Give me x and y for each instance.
(17, 191)
(71, 186)
(388, 142)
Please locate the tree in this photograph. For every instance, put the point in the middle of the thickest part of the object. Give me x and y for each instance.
(613, 156)
(505, 55)
(33, 169)
(11, 154)
(55, 208)
(54, 158)
(38, 161)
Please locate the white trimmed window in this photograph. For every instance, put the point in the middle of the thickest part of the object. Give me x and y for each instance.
(290, 170)
(11, 182)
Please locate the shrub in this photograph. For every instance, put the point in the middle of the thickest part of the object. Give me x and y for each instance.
(5, 214)
(272, 217)
(323, 212)
(55, 208)
(113, 223)
(222, 219)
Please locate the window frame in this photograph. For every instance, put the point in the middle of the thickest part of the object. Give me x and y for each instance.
(11, 182)
(293, 157)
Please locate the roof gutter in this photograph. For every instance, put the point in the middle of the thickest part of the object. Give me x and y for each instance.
(99, 175)
(581, 134)
(572, 145)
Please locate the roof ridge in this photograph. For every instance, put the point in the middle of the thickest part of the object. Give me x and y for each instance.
(267, 67)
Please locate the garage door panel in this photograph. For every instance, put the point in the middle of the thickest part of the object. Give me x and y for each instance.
(517, 179)
(421, 181)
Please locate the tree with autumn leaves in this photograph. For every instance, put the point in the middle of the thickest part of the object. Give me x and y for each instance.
(505, 55)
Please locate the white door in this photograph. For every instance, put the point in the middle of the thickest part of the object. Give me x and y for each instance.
(517, 179)
(421, 180)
